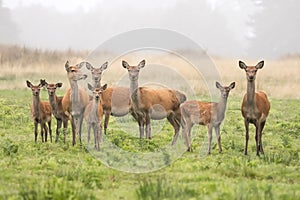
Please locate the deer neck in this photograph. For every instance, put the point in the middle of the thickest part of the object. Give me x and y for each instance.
(250, 94)
(134, 90)
(97, 84)
(36, 106)
(221, 107)
(95, 110)
(53, 103)
(74, 93)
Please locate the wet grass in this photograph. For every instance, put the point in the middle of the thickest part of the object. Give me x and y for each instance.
(60, 171)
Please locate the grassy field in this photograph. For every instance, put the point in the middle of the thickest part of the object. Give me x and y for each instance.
(60, 171)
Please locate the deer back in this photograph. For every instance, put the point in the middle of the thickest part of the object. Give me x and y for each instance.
(163, 97)
(197, 112)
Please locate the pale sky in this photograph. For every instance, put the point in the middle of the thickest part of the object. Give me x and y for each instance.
(220, 26)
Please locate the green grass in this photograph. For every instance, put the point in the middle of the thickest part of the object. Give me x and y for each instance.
(60, 171)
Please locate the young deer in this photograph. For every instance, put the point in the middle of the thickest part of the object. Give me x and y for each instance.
(75, 99)
(41, 112)
(93, 115)
(255, 106)
(56, 105)
(205, 113)
(115, 100)
(153, 103)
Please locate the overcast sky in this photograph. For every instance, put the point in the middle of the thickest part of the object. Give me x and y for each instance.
(223, 27)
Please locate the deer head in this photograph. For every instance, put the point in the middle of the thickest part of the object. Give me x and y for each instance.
(133, 70)
(74, 73)
(251, 70)
(34, 88)
(97, 91)
(96, 72)
(225, 90)
(51, 87)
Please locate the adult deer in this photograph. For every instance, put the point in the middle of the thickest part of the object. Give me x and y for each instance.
(75, 99)
(115, 100)
(93, 115)
(57, 109)
(40, 111)
(205, 113)
(255, 106)
(153, 103)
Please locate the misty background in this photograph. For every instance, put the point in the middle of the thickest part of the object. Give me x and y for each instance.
(250, 28)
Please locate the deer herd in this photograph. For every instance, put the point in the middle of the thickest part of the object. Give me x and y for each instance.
(143, 103)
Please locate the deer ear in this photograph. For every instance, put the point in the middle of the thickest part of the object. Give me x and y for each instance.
(29, 84)
(142, 64)
(89, 66)
(104, 66)
(232, 85)
(43, 82)
(104, 87)
(125, 64)
(260, 65)
(242, 65)
(90, 87)
(67, 65)
(218, 85)
(59, 85)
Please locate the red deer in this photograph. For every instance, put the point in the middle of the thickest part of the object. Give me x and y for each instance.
(75, 99)
(115, 100)
(41, 112)
(209, 114)
(255, 106)
(93, 115)
(57, 109)
(153, 103)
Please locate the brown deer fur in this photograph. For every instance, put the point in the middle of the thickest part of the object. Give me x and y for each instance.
(255, 106)
(153, 103)
(57, 109)
(75, 99)
(115, 100)
(209, 114)
(41, 112)
(93, 115)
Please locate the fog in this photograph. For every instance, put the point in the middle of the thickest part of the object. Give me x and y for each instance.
(250, 28)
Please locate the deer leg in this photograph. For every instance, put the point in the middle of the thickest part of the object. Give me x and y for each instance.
(107, 115)
(176, 127)
(99, 135)
(246, 122)
(148, 127)
(209, 134)
(80, 127)
(260, 144)
(89, 132)
(42, 131)
(257, 137)
(65, 123)
(73, 131)
(46, 132)
(188, 133)
(35, 131)
(141, 126)
(50, 130)
(95, 129)
(217, 129)
(58, 126)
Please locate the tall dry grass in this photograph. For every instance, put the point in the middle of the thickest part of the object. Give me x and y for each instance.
(279, 77)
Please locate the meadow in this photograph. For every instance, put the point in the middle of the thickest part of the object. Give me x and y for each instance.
(61, 171)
